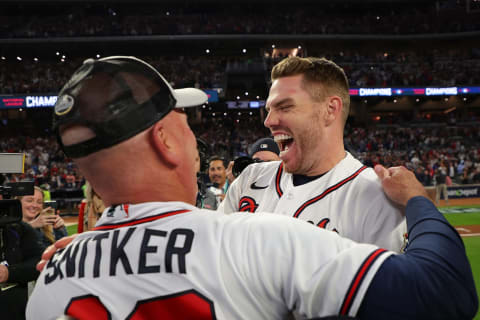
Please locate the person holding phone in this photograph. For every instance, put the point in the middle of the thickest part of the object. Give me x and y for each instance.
(48, 225)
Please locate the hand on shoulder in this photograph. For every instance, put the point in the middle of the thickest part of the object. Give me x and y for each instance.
(399, 184)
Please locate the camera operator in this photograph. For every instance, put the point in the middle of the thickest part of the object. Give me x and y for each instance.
(19, 253)
(205, 198)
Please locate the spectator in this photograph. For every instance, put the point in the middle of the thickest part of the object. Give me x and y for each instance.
(48, 225)
(218, 177)
(441, 184)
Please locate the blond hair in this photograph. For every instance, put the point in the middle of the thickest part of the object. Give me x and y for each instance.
(47, 229)
(321, 78)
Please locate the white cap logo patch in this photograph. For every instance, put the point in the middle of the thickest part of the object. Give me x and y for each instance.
(263, 146)
(64, 105)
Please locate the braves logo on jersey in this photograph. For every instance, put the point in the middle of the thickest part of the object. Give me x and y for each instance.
(323, 224)
(247, 204)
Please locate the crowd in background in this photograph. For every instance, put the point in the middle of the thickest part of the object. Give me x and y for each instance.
(29, 76)
(371, 68)
(248, 18)
(422, 149)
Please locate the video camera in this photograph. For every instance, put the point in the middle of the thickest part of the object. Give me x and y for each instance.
(241, 163)
(10, 209)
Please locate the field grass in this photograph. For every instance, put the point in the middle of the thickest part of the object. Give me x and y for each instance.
(472, 245)
(464, 216)
(72, 229)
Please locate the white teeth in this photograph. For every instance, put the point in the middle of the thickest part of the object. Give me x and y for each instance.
(281, 137)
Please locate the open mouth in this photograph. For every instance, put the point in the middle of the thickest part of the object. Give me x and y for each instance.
(284, 142)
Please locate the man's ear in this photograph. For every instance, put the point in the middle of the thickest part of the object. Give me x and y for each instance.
(334, 109)
(164, 144)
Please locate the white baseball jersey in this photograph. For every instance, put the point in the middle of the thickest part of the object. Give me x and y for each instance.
(171, 260)
(348, 199)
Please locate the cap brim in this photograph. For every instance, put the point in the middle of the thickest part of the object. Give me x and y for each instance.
(189, 97)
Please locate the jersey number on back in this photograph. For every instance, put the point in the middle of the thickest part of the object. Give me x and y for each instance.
(184, 305)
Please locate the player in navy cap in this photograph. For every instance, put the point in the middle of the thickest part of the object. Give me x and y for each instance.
(265, 149)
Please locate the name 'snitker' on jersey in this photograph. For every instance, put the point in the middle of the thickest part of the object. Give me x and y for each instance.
(71, 262)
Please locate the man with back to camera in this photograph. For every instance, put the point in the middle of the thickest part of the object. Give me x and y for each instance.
(154, 255)
(317, 180)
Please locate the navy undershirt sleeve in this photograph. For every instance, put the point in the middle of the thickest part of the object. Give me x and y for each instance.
(431, 280)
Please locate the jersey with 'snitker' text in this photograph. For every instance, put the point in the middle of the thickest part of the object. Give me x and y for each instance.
(347, 199)
(170, 260)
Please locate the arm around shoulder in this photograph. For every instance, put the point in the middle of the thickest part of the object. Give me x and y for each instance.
(432, 280)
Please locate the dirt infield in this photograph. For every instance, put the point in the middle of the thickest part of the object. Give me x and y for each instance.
(459, 202)
(469, 231)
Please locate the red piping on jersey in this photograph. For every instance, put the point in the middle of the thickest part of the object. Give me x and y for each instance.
(139, 221)
(329, 190)
(358, 279)
(277, 180)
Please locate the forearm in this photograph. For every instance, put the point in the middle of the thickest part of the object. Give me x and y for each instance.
(433, 279)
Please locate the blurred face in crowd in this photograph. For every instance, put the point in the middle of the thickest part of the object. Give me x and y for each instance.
(32, 205)
(294, 119)
(217, 172)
